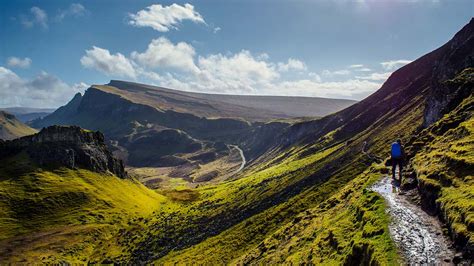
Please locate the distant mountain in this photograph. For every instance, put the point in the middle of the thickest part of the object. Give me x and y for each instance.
(249, 107)
(11, 128)
(174, 122)
(26, 114)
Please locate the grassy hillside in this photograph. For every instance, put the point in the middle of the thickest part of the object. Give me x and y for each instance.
(63, 214)
(444, 162)
(11, 128)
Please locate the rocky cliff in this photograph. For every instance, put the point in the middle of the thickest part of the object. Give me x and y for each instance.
(71, 147)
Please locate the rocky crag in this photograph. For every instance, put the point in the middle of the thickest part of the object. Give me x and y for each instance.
(68, 146)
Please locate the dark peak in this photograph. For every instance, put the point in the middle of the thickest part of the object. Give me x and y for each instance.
(77, 98)
(66, 146)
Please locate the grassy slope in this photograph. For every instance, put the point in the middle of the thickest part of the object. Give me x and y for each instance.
(445, 167)
(289, 232)
(11, 128)
(65, 215)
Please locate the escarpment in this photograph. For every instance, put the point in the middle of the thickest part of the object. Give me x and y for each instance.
(66, 146)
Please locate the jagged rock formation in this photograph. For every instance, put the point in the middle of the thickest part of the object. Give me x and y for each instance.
(71, 147)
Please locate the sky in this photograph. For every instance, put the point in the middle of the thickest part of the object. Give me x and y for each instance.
(50, 50)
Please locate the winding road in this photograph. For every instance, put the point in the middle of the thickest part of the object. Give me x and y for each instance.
(418, 236)
(244, 161)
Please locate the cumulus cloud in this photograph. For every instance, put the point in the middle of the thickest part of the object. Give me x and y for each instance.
(107, 63)
(356, 66)
(37, 16)
(19, 62)
(161, 53)
(163, 18)
(75, 10)
(292, 64)
(216, 29)
(43, 91)
(376, 76)
(238, 73)
(393, 64)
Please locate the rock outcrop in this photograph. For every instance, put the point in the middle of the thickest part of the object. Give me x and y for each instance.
(68, 146)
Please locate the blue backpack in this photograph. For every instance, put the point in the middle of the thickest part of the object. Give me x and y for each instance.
(396, 150)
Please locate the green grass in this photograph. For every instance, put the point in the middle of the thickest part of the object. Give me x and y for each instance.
(297, 231)
(445, 167)
(65, 215)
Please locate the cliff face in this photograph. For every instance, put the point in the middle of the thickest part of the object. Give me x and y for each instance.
(71, 147)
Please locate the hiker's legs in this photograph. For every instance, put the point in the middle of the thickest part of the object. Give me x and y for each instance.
(400, 168)
(394, 165)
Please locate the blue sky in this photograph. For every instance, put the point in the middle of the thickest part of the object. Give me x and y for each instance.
(345, 49)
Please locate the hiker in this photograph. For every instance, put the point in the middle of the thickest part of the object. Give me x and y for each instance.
(397, 159)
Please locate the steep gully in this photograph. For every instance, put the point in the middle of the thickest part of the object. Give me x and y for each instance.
(418, 236)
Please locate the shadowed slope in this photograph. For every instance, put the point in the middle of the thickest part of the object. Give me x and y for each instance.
(11, 128)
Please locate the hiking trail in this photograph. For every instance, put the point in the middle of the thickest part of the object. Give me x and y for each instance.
(418, 236)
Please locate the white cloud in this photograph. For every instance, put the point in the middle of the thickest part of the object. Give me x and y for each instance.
(75, 9)
(43, 91)
(314, 76)
(360, 68)
(376, 76)
(107, 63)
(164, 18)
(80, 87)
(292, 64)
(341, 72)
(392, 64)
(38, 16)
(217, 29)
(19, 62)
(162, 53)
(238, 73)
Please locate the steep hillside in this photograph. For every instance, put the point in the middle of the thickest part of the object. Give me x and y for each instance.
(62, 212)
(443, 158)
(11, 128)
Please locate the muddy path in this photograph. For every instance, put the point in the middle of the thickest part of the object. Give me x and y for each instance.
(418, 235)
